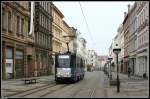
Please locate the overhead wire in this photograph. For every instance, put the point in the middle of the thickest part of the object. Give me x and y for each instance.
(87, 25)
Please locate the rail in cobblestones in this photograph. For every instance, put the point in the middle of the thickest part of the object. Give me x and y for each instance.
(17, 93)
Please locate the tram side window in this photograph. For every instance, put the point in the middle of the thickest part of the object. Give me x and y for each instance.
(78, 62)
(81, 63)
(73, 61)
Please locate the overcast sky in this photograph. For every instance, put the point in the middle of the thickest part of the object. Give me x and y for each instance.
(103, 19)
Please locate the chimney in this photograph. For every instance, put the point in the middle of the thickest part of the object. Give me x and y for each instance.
(125, 13)
(128, 7)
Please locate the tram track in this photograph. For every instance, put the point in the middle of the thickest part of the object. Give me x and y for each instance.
(35, 91)
(41, 92)
(32, 89)
(52, 90)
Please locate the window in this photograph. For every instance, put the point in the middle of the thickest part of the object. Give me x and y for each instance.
(44, 22)
(40, 3)
(19, 54)
(43, 39)
(37, 38)
(19, 66)
(9, 21)
(40, 38)
(28, 25)
(46, 39)
(9, 53)
(18, 25)
(41, 20)
(144, 16)
(46, 6)
(3, 17)
(22, 26)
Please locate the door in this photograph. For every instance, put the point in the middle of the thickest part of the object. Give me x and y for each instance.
(19, 65)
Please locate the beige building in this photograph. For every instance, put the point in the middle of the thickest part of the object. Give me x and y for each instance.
(26, 44)
(57, 30)
(66, 37)
(15, 16)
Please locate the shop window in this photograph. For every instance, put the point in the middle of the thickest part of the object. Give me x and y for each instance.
(19, 65)
(9, 54)
(9, 63)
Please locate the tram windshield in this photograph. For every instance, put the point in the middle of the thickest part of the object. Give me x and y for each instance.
(64, 61)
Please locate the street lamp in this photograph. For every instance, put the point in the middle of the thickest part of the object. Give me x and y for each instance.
(110, 67)
(117, 51)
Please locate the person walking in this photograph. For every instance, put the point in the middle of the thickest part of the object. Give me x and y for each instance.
(129, 72)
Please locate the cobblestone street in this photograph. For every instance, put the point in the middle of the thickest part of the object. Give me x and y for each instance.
(75, 49)
(94, 85)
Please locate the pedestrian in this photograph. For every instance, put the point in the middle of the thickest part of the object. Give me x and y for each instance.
(129, 72)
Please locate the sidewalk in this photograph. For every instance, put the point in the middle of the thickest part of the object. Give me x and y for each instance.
(12, 86)
(124, 77)
(129, 87)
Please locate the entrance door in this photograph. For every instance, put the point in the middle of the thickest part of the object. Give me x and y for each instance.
(19, 67)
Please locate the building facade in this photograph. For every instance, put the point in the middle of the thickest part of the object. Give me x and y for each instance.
(81, 49)
(43, 38)
(57, 29)
(92, 58)
(126, 41)
(132, 38)
(121, 45)
(102, 60)
(142, 37)
(67, 37)
(73, 43)
(15, 16)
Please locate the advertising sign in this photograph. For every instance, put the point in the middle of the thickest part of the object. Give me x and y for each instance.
(9, 65)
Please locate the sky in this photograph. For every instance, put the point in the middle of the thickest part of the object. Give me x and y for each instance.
(103, 19)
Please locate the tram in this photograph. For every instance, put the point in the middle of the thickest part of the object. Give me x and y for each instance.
(69, 67)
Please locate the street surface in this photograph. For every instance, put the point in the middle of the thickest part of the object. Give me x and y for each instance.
(94, 85)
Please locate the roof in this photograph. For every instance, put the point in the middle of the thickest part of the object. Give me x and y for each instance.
(57, 10)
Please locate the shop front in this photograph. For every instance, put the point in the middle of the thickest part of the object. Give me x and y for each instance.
(19, 64)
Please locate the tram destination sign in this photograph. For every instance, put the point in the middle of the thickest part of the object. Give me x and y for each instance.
(64, 56)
